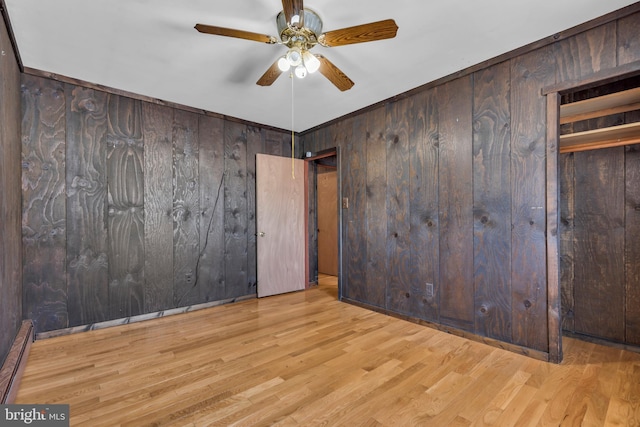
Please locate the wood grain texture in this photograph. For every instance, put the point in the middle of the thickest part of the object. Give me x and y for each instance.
(615, 136)
(312, 213)
(376, 217)
(566, 180)
(235, 208)
(607, 104)
(583, 99)
(12, 368)
(230, 32)
(210, 265)
(307, 359)
(323, 140)
(400, 292)
(629, 39)
(527, 125)
(334, 74)
(158, 207)
(372, 31)
(554, 320)
(349, 135)
(577, 57)
(274, 142)
(455, 198)
(308, 141)
(110, 175)
(327, 221)
(290, 143)
(586, 53)
(255, 138)
(86, 187)
(186, 209)
(599, 232)
(270, 76)
(281, 214)
(44, 203)
(528, 170)
(423, 203)
(10, 201)
(125, 185)
(492, 202)
(632, 245)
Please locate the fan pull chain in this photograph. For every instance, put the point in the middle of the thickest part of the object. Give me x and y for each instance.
(293, 145)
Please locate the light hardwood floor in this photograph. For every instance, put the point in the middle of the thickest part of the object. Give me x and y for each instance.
(307, 359)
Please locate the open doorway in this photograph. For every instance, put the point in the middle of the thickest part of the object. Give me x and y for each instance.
(593, 165)
(324, 228)
(327, 195)
(599, 190)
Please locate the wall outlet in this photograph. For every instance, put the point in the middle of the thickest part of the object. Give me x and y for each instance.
(345, 203)
(428, 290)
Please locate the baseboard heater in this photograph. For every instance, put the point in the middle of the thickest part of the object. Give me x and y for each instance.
(13, 367)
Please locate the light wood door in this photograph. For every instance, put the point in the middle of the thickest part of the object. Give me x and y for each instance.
(327, 221)
(280, 224)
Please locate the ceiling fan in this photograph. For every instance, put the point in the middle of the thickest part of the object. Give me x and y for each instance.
(300, 30)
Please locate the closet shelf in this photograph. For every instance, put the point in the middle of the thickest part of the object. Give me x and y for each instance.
(619, 102)
(613, 136)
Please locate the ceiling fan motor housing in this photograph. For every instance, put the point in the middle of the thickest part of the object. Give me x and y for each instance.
(305, 37)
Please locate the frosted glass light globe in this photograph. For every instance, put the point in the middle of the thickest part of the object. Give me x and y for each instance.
(301, 72)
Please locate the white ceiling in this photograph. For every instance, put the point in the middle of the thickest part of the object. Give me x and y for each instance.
(150, 47)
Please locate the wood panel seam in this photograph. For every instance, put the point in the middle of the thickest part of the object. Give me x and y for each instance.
(13, 367)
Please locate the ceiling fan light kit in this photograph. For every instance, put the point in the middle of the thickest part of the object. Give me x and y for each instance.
(283, 64)
(294, 56)
(300, 30)
(311, 63)
(302, 61)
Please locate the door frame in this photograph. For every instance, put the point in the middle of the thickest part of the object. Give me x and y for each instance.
(553, 94)
(312, 157)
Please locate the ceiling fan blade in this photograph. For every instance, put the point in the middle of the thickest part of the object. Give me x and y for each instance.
(239, 34)
(270, 75)
(379, 30)
(334, 74)
(293, 8)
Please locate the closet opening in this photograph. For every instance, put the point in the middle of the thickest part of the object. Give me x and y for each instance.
(598, 227)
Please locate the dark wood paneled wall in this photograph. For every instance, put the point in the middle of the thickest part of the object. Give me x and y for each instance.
(492, 204)
(423, 208)
(599, 242)
(528, 197)
(601, 249)
(455, 201)
(10, 214)
(87, 235)
(374, 230)
(131, 207)
(632, 245)
(447, 192)
(397, 246)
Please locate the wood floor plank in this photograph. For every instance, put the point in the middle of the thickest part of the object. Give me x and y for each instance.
(513, 413)
(307, 359)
